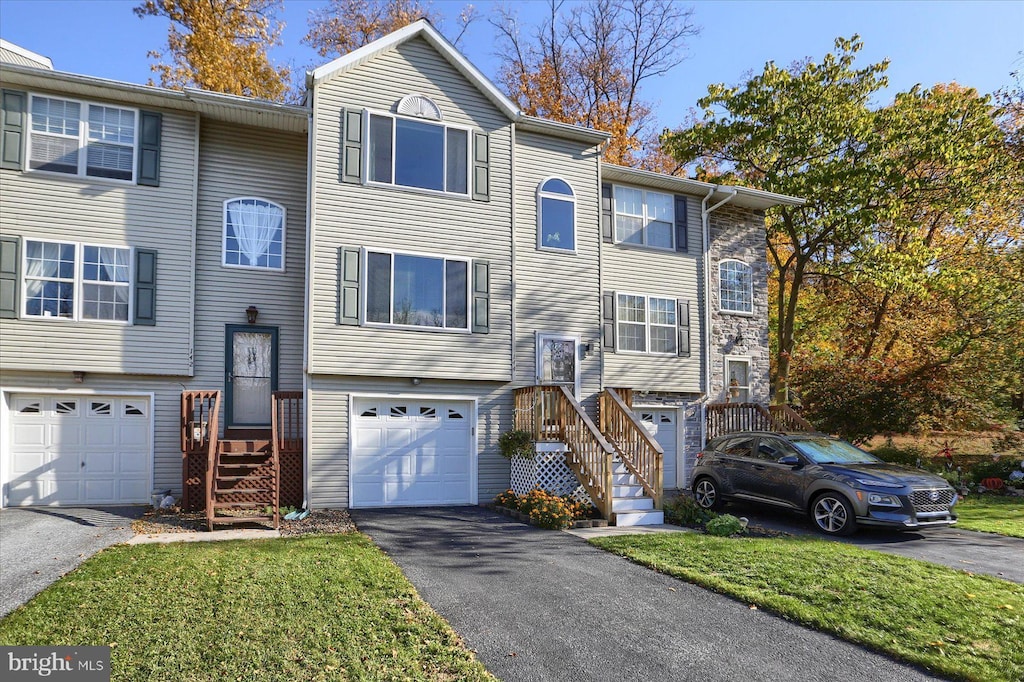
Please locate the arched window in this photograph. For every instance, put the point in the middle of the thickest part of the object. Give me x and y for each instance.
(253, 233)
(556, 215)
(736, 287)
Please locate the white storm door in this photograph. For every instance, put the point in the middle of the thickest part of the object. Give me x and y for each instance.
(558, 361)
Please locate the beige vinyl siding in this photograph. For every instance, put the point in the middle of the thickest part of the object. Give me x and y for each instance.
(166, 411)
(328, 448)
(664, 274)
(557, 292)
(408, 221)
(8, 56)
(236, 161)
(53, 207)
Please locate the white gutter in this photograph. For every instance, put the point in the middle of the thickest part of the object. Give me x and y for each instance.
(705, 219)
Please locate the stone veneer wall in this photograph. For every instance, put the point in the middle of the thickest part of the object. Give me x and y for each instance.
(739, 233)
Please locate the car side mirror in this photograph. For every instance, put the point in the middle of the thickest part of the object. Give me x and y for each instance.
(790, 460)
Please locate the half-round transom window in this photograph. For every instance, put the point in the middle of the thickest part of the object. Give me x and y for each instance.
(419, 106)
(556, 215)
(736, 287)
(253, 233)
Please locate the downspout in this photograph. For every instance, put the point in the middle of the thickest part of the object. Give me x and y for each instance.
(705, 219)
(307, 329)
(512, 259)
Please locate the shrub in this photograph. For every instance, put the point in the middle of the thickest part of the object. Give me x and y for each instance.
(724, 526)
(507, 499)
(905, 456)
(684, 511)
(517, 443)
(1000, 468)
(580, 510)
(545, 509)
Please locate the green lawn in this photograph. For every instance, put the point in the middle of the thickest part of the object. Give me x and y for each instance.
(992, 514)
(307, 608)
(959, 625)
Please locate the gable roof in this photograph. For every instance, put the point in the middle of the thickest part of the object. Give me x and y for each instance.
(417, 29)
(16, 54)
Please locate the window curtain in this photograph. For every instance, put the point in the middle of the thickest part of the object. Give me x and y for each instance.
(256, 225)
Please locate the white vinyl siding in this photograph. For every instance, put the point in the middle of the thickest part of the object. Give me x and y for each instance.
(82, 138)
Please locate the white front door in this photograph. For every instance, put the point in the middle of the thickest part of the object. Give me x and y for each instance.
(79, 450)
(558, 361)
(664, 424)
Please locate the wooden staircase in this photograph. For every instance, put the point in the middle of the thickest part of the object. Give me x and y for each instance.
(244, 479)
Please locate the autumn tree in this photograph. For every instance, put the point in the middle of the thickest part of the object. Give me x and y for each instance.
(346, 25)
(219, 45)
(586, 63)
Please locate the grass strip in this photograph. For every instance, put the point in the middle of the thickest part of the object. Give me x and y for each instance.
(954, 623)
(992, 514)
(328, 607)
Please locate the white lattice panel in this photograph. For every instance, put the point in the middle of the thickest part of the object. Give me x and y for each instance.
(549, 472)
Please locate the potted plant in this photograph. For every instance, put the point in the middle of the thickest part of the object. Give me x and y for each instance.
(517, 443)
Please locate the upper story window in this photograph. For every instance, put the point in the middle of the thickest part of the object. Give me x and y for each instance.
(76, 281)
(736, 287)
(556, 215)
(82, 139)
(644, 218)
(647, 324)
(254, 233)
(417, 291)
(417, 153)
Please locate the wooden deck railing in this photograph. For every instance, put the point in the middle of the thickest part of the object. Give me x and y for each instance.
(286, 436)
(551, 413)
(637, 448)
(200, 412)
(725, 418)
(788, 419)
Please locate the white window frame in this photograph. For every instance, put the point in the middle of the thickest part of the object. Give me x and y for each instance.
(83, 140)
(367, 146)
(647, 324)
(78, 283)
(750, 288)
(224, 236)
(365, 291)
(727, 375)
(568, 198)
(643, 216)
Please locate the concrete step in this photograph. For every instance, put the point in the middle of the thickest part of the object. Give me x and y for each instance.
(627, 490)
(624, 479)
(632, 504)
(619, 468)
(640, 518)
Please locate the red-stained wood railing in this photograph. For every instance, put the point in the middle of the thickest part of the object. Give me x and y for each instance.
(199, 426)
(637, 449)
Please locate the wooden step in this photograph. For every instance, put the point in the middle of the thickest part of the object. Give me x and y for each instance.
(240, 505)
(237, 491)
(244, 446)
(250, 477)
(242, 465)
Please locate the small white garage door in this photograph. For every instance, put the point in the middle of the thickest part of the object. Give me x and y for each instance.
(665, 421)
(76, 450)
(408, 453)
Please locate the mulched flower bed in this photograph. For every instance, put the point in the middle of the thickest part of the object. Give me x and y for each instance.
(525, 518)
(175, 521)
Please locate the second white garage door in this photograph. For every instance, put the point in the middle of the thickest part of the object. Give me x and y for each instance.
(666, 434)
(407, 453)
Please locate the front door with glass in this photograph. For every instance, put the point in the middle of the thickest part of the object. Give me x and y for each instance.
(250, 361)
(558, 361)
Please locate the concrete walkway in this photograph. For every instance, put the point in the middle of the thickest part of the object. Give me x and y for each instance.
(543, 605)
(40, 544)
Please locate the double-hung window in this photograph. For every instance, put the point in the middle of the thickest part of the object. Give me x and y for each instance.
(736, 287)
(646, 324)
(417, 153)
(82, 139)
(417, 291)
(77, 281)
(644, 218)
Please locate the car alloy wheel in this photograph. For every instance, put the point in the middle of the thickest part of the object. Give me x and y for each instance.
(706, 493)
(833, 514)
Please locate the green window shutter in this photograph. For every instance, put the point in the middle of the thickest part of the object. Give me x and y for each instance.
(680, 223)
(145, 287)
(10, 275)
(608, 320)
(150, 124)
(481, 297)
(683, 328)
(349, 281)
(481, 166)
(13, 112)
(607, 215)
(352, 146)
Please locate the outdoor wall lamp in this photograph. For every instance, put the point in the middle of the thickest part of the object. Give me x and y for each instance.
(79, 377)
(251, 313)
(416, 381)
(588, 349)
(738, 339)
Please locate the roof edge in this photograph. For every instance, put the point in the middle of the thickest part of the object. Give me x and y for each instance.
(564, 130)
(753, 198)
(44, 61)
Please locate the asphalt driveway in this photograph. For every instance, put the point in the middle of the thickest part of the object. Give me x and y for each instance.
(40, 544)
(543, 605)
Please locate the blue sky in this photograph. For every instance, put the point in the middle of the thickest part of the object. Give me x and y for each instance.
(974, 43)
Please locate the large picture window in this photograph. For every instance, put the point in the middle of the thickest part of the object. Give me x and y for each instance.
(556, 215)
(78, 138)
(254, 233)
(417, 291)
(76, 281)
(644, 218)
(736, 287)
(417, 153)
(646, 324)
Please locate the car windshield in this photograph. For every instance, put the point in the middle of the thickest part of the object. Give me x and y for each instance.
(828, 451)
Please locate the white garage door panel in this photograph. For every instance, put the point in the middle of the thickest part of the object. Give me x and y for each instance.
(411, 453)
(79, 450)
(665, 421)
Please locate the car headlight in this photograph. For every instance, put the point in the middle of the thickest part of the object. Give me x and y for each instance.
(873, 483)
(879, 500)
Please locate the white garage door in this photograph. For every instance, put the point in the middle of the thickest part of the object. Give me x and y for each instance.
(665, 421)
(76, 450)
(408, 453)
